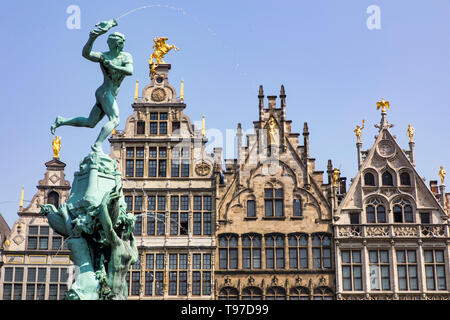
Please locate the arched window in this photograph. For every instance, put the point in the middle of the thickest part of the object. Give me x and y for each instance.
(298, 251)
(251, 252)
(252, 293)
(323, 293)
(321, 250)
(405, 179)
(228, 252)
(274, 252)
(53, 198)
(251, 210)
(275, 293)
(403, 211)
(375, 212)
(299, 293)
(228, 293)
(369, 179)
(387, 179)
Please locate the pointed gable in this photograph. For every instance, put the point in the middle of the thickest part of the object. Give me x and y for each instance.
(391, 169)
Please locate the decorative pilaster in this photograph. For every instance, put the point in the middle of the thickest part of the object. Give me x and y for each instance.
(359, 153)
(411, 153)
(261, 102)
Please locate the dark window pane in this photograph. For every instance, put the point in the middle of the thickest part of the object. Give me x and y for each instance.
(153, 127)
(140, 127)
(251, 208)
(163, 128)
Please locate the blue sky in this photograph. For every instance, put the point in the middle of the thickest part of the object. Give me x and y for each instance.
(333, 67)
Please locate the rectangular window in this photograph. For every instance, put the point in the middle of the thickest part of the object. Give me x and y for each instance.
(207, 224)
(379, 270)
(153, 127)
(351, 270)
(425, 218)
(185, 168)
(197, 230)
(407, 270)
(162, 168)
(297, 208)
(139, 168)
(175, 168)
(175, 127)
(251, 208)
(152, 168)
(163, 128)
(130, 168)
(435, 269)
(161, 225)
(140, 127)
(151, 224)
(196, 283)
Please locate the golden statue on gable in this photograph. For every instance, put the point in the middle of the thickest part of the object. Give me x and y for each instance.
(161, 49)
(442, 174)
(358, 131)
(336, 175)
(383, 105)
(410, 132)
(56, 143)
(272, 132)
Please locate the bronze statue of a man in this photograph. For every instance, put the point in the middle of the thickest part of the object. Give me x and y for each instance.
(115, 65)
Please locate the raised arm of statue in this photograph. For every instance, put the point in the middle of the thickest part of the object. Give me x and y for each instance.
(87, 49)
(101, 28)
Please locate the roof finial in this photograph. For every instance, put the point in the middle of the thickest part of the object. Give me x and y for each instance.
(182, 90)
(136, 91)
(21, 198)
(203, 126)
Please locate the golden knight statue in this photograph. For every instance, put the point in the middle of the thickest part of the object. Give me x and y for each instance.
(161, 49)
(56, 146)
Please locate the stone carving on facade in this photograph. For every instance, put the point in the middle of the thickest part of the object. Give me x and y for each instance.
(433, 231)
(349, 231)
(203, 169)
(377, 231)
(405, 231)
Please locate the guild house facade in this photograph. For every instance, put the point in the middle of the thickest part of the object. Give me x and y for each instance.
(169, 184)
(36, 264)
(391, 233)
(274, 213)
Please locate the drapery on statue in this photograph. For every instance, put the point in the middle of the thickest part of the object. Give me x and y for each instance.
(161, 49)
(115, 65)
(93, 221)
